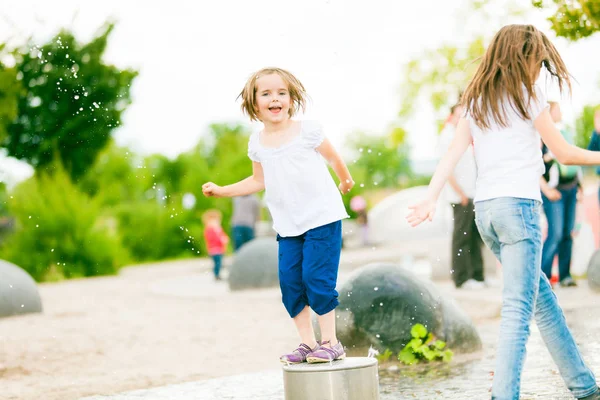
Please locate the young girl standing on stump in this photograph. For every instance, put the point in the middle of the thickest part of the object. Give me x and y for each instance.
(304, 202)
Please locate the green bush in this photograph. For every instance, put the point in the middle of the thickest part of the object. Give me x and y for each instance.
(59, 233)
(152, 231)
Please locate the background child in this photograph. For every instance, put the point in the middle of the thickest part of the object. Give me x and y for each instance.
(216, 239)
(304, 202)
(504, 110)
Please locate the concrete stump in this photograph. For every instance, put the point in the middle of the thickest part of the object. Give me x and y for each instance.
(354, 378)
(18, 291)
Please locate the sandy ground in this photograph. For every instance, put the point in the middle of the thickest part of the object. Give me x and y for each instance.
(107, 335)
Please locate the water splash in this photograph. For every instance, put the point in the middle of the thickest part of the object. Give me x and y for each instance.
(372, 352)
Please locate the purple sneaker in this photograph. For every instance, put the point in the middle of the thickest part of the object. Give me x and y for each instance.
(299, 355)
(326, 354)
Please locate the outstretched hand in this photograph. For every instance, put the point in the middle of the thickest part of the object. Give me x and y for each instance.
(210, 189)
(421, 212)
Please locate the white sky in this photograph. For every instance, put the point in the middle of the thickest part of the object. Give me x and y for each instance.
(194, 57)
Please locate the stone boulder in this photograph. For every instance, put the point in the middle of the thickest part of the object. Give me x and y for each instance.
(593, 272)
(381, 302)
(255, 265)
(18, 291)
(387, 222)
(430, 240)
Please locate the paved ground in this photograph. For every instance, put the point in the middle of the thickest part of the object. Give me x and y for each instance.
(467, 377)
(158, 325)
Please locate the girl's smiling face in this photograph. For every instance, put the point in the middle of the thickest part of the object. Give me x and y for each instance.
(273, 99)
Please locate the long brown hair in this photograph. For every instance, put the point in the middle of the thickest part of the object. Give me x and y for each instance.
(297, 92)
(512, 61)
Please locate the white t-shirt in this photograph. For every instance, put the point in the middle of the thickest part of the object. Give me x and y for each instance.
(465, 171)
(299, 190)
(509, 159)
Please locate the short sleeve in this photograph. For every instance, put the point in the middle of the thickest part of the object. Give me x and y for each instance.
(312, 133)
(539, 104)
(253, 148)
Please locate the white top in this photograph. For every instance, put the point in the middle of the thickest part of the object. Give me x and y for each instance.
(509, 160)
(300, 192)
(465, 171)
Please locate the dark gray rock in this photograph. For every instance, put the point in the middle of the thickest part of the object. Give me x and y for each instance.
(380, 303)
(255, 265)
(593, 272)
(18, 291)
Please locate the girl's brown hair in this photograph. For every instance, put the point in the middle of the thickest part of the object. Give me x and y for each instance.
(295, 88)
(512, 61)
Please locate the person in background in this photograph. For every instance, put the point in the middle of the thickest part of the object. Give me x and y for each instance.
(358, 204)
(467, 259)
(246, 211)
(216, 239)
(559, 185)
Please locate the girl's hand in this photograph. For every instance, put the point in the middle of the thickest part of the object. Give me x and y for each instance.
(346, 186)
(210, 189)
(421, 212)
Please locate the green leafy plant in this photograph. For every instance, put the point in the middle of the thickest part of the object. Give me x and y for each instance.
(385, 356)
(424, 347)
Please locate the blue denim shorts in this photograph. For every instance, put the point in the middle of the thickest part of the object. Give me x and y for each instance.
(308, 269)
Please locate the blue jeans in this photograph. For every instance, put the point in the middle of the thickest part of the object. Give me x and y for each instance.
(241, 235)
(561, 221)
(217, 259)
(510, 227)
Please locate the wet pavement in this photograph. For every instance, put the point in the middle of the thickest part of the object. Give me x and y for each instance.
(472, 379)
(466, 377)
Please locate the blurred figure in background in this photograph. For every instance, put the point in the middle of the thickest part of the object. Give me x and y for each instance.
(216, 239)
(246, 211)
(358, 204)
(467, 260)
(560, 185)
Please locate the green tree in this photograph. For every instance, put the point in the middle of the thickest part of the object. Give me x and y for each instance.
(379, 161)
(440, 75)
(10, 90)
(72, 103)
(584, 125)
(117, 176)
(60, 232)
(573, 19)
(222, 157)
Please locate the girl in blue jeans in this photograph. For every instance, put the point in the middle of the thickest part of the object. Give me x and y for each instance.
(505, 110)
